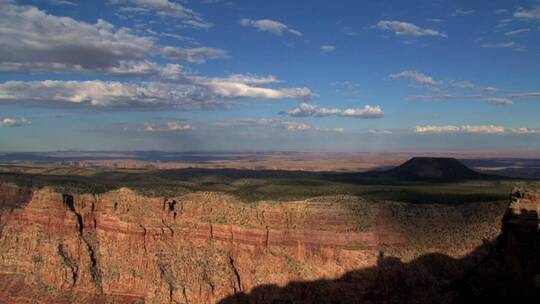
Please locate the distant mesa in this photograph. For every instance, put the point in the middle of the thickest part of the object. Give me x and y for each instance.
(432, 168)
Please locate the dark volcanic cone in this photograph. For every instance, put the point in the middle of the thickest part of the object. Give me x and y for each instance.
(432, 168)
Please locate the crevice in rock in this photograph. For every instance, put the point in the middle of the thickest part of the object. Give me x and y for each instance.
(70, 263)
(185, 294)
(171, 290)
(68, 202)
(236, 273)
(267, 235)
(94, 270)
(172, 205)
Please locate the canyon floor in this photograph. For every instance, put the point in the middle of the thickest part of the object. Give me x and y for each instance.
(429, 231)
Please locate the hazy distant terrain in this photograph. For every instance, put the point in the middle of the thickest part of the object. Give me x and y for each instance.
(525, 165)
(258, 184)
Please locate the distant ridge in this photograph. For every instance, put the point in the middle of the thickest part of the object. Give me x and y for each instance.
(432, 168)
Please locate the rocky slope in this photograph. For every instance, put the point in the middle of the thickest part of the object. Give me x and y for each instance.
(120, 247)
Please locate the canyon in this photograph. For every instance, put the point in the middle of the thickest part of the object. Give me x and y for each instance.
(210, 247)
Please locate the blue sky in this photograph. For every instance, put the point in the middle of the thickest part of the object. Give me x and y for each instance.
(269, 75)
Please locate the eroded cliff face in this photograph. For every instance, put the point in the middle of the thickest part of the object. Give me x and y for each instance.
(120, 247)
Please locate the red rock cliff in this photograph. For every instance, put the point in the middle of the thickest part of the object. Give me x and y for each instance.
(120, 247)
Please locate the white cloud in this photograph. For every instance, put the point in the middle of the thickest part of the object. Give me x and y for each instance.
(175, 36)
(167, 8)
(532, 14)
(190, 92)
(306, 110)
(499, 45)
(433, 97)
(464, 84)
(472, 129)
(383, 132)
(276, 123)
(499, 101)
(236, 87)
(460, 12)
(518, 31)
(367, 112)
(489, 90)
(14, 122)
(327, 48)
(524, 131)
(487, 129)
(271, 26)
(33, 40)
(144, 68)
(63, 2)
(525, 95)
(194, 55)
(436, 129)
(303, 110)
(418, 77)
(167, 127)
(252, 79)
(407, 29)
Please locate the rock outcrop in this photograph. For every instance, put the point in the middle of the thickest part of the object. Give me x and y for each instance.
(121, 247)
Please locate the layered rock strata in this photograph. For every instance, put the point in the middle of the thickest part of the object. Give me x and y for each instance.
(121, 247)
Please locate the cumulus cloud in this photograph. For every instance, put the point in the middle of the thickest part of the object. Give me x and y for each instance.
(487, 129)
(407, 29)
(499, 101)
(33, 40)
(531, 14)
(14, 122)
(367, 112)
(472, 129)
(165, 8)
(172, 125)
(194, 55)
(418, 77)
(271, 26)
(243, 87)
(192, 92)
(327, 48)
(307, 109)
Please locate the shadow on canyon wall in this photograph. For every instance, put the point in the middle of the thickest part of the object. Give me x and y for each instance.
(504, 270)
